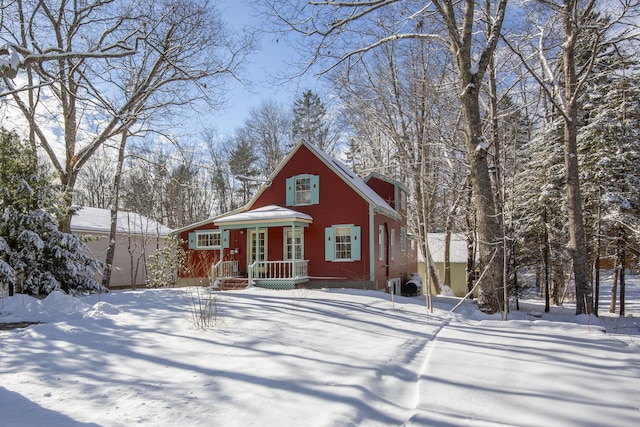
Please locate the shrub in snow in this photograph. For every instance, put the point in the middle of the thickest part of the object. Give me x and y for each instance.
(165, 263)
(34, 255)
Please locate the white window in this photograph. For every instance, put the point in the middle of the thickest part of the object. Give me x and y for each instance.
(381, 242)
(403, 239)
(303, 191)
(342, 243)
(208, 240)
(292, 243)
(392, 243)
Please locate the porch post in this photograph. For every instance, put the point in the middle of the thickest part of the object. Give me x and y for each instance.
(257, 249)
(293, 250)
(222, 230)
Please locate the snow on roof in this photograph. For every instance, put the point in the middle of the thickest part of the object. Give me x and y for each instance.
(265, 213)
(96, 220)
(354, 180)
(457, 247)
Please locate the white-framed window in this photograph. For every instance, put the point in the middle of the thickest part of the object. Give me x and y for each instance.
(392, 244)
(303, 190)
(342, 243)
(381, 242)
(208, 240)
(257, 245)
(403, 239)
(403, 200)
(293, 242)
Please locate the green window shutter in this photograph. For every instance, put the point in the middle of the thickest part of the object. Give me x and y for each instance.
(192, 240)
(291, 190)
(328, 244)
(224, 236)
(355, 243)
(315, 189)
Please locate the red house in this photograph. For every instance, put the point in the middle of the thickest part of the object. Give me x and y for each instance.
(314, 223)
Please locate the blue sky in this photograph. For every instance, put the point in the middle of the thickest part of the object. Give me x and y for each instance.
(270, 61)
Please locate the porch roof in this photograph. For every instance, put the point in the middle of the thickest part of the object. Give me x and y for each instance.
(271, 215)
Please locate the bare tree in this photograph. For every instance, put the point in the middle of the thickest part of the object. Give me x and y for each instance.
(403, 117)
(178, 52)
(338, 33)
(268, 129)
(95, 180)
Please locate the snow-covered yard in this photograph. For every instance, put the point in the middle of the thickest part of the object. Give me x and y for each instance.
(314, 358)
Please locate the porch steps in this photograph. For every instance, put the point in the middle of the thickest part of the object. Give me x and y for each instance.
(233, 283)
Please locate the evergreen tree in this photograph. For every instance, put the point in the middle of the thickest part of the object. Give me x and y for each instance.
(34, 254)
(310, 121)
(609, 154)
(242, 165)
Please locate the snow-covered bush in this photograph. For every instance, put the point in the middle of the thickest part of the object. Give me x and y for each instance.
(165, 264)
(35, 256)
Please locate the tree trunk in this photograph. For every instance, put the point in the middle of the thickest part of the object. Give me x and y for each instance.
(546, 262)
(622, 250)
(68, 183)
(577, 240)
(113, 231)
(490, 295)
(596, 265)
(447, 257)
(614, 290)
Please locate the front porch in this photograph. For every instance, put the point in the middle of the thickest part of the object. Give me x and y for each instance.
(268, 232)
(264, 274)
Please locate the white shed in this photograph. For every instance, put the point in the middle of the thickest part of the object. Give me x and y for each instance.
(137, 238)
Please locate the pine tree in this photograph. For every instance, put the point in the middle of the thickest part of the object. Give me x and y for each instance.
(609, 149)
(34, 254)
(310, 121)
(242, 164)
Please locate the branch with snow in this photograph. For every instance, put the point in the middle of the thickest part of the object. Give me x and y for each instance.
(9, 61)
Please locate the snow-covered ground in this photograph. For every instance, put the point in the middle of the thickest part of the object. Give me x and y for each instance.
(314, 358)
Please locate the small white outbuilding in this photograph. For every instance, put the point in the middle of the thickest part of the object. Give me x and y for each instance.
(137, 238)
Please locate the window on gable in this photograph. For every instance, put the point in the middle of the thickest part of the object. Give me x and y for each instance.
(303, 190)
(342, 243)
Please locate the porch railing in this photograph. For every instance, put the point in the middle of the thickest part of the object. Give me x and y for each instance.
(273, 270)
(224, 269)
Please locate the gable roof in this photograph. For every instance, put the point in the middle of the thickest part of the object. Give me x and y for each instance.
(341, 170)
(96, 220)
(386, 179)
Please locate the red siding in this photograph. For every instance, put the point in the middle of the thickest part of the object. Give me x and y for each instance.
(385, 189)
(338, 204)
(337, 200)
(199, 261)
